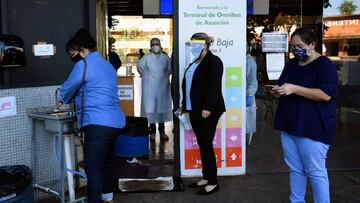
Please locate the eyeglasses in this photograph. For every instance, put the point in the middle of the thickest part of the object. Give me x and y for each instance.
(155, 44)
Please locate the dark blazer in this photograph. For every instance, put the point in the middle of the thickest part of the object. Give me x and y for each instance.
(205, 92)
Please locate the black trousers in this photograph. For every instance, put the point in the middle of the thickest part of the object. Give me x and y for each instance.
(161, 127)
(99, 160)
(204, 129)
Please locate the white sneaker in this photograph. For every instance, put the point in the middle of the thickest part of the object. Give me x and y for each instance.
(164, 136)
(152, 136)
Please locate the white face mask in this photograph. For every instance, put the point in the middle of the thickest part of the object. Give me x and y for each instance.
(155, 49)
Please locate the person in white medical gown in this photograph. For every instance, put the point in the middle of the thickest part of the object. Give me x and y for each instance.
(251, 88)
(155, 69)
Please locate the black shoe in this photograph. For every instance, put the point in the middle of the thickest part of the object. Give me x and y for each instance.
(204, 192)
(195, 185)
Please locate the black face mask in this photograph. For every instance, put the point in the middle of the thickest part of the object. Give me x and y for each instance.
(76, 58)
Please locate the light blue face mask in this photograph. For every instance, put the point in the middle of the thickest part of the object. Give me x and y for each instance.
(196, 50)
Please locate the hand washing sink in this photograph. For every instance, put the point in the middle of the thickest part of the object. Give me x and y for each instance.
(53, 119)
(61, 113)
(52, 125)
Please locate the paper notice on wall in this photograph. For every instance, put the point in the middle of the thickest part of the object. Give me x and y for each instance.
(7, 106)
(126, 92)
(43, 49)
(275, 63)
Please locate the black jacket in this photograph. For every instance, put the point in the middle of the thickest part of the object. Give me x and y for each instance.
(205, 92)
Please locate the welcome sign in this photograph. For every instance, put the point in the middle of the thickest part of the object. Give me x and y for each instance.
(224, 20)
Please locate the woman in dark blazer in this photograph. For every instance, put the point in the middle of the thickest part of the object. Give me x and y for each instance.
(203, 99)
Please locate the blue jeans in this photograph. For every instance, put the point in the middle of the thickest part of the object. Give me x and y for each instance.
(306, 158)
(99, 160)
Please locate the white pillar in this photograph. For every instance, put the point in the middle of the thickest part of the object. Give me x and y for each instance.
(70, 178)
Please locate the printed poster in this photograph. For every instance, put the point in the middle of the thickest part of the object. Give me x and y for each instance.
(224, 20)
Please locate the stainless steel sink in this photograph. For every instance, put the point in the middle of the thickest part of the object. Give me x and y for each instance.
(52, 125)
(53, 119)
(61, 113)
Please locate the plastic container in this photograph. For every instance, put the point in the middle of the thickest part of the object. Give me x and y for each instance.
(134, 141)
(132, 146)
(15, 184)
(184, 119)
(128, 70)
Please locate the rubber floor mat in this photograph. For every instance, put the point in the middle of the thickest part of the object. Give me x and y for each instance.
(151, 184)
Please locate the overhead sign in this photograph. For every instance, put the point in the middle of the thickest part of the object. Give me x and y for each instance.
(126, 92)
(224, 20)
(274, 42)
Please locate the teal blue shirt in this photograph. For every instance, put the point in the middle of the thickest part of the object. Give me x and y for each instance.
(188, 79)
(101, 102)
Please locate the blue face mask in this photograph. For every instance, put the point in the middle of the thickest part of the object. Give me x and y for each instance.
(300, 54)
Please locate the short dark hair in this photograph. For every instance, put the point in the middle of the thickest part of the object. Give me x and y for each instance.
(81, 39)
(306, 35)
(155, 39)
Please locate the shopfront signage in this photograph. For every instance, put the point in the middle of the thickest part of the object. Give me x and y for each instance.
(342, 27)
(342, 22)
(224, 20)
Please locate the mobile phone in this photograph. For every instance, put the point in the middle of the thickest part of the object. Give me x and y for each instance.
(269, 86)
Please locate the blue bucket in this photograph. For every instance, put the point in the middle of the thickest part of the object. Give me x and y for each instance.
(132, 146)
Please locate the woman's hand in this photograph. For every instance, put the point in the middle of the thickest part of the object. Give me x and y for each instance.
(286, 89)
(205, 113)
(273, 90)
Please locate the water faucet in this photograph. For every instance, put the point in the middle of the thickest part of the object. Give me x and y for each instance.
(57, 102)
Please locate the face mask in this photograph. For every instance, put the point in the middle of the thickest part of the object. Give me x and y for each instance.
(155, 49)
(196, 50)
(300, 54)
(76, 58)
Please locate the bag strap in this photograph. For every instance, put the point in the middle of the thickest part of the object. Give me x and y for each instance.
(82, 94)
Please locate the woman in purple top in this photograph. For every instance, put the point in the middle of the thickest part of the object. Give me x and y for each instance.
(306, 116)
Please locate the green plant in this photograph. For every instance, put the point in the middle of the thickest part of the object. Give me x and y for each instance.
(347, 7)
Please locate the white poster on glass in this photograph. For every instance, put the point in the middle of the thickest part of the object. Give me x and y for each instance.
(224, 20)
(275, 63)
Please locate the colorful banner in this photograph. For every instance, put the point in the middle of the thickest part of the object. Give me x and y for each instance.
(224, 20)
